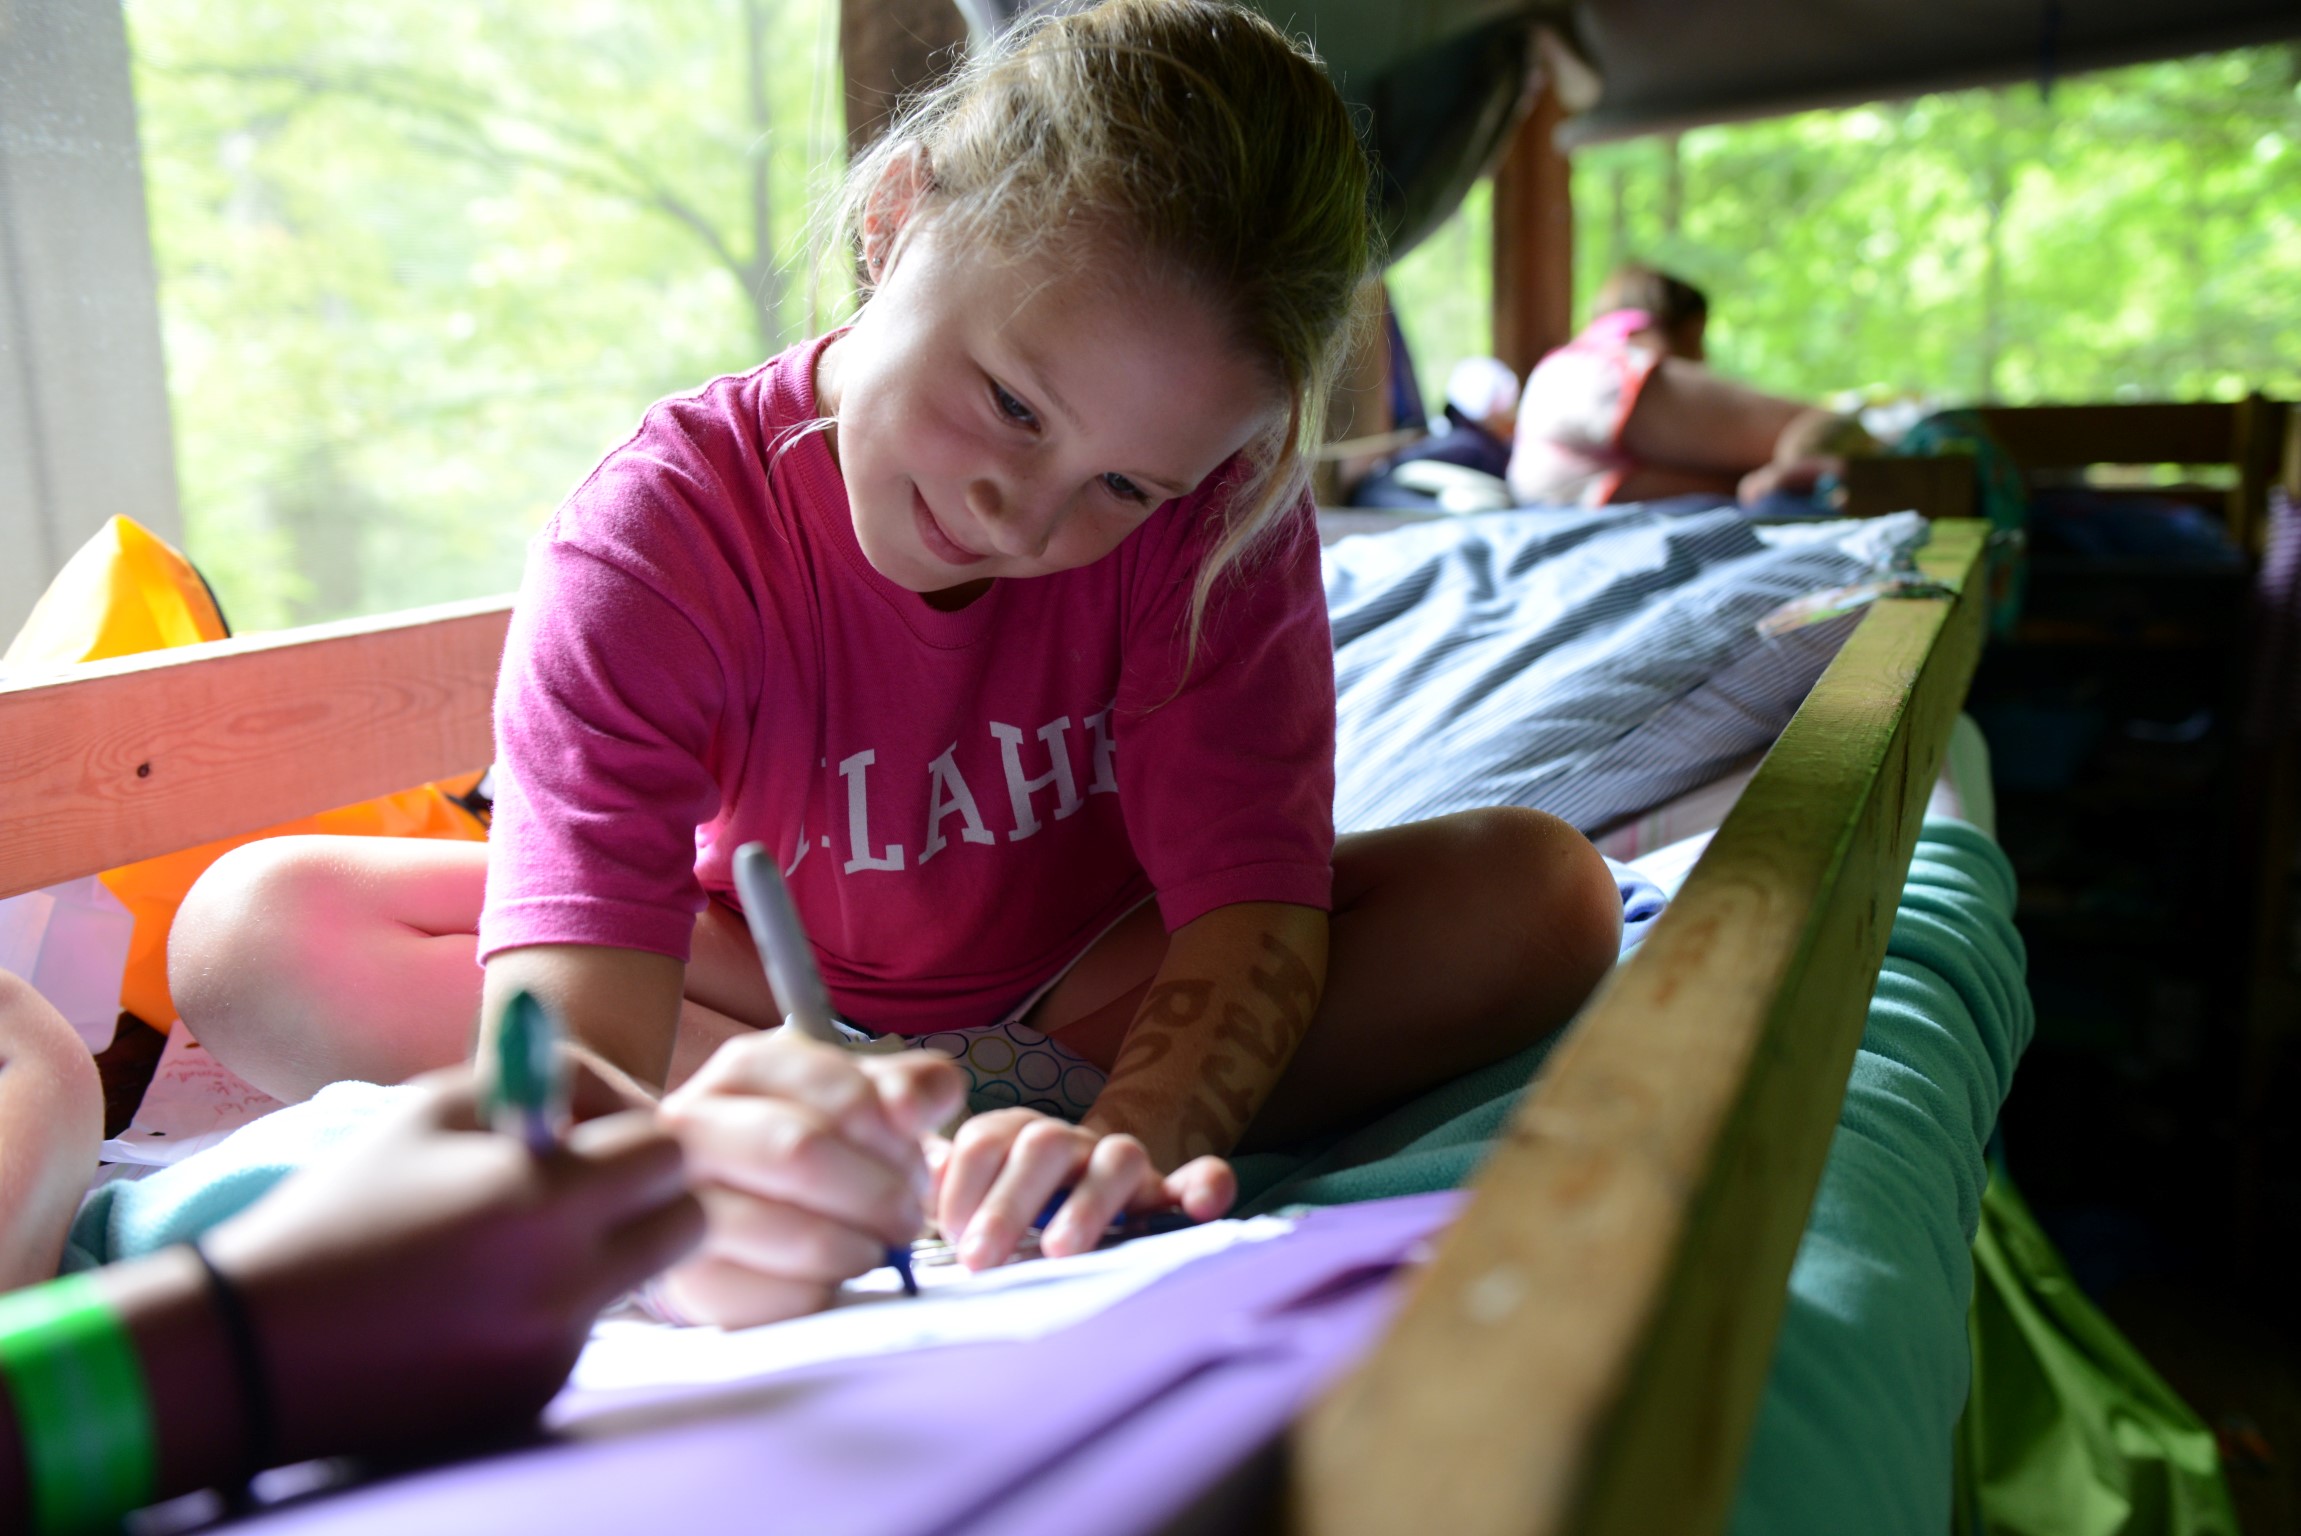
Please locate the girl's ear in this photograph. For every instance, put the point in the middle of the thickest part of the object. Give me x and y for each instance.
(893, 199)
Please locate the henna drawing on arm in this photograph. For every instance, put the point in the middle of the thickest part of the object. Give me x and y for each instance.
(1214, 1118)
(1166, 1008)
(1242, 1056)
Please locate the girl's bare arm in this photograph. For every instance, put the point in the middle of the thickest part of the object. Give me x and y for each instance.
(620, 1006)
(1216, 1030)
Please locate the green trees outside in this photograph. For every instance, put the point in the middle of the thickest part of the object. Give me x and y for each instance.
(422, 263)
(2134, 234)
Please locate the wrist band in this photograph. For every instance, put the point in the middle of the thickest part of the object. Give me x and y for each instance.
(83, 1412)
(247, 1362)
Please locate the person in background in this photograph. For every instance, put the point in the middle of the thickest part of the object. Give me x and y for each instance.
(1630, 411)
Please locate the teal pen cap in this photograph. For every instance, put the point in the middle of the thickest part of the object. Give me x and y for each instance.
(523, 1088)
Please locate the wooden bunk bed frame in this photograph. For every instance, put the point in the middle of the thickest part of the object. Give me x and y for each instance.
(1608, 1301)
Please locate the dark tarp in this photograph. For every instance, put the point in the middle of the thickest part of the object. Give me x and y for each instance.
(1441, 81)
(1680, 63)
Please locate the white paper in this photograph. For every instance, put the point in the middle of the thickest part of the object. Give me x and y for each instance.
(872, 1316)
(193, 1103)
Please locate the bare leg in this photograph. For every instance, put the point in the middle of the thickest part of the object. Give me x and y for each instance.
(51, 1118)
(1455, 943)
(302, 961)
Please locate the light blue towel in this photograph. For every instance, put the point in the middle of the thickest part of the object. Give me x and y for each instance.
(131, 1217)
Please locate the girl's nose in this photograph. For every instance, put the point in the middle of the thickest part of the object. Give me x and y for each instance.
(1019, 516)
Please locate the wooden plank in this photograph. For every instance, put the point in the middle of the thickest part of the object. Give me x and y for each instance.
(2067, 436)
(1587, 1349)
(114, 761)
(1533, 249)
(1941, 484)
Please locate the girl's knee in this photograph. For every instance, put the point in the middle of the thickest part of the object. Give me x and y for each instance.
(1550, 872)
(255, 926)
(37, 1042)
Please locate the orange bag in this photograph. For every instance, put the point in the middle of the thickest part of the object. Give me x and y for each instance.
(127, 591)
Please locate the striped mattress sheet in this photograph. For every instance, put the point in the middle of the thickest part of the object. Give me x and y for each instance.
(1594, 663)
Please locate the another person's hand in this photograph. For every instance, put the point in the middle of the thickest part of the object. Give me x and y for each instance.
(808, 1160)
(1002, 1168)
(1795, 477)
(435, 1282)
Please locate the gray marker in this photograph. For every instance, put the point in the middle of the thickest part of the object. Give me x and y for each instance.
(790, 964)
(782, 945)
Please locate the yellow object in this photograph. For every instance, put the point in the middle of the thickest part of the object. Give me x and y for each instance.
(125, 592)
(128, 591)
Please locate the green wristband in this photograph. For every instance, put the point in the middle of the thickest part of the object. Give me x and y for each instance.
(82, 1410)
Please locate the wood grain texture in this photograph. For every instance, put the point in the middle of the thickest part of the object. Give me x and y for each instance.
(1587, 1350)
(114, 761)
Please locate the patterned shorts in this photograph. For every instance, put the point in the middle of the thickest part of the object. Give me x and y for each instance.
(1007, 1065)
(1010, 1064)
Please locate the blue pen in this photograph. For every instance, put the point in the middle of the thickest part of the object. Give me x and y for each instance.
(790, 965)
(1123, 1225)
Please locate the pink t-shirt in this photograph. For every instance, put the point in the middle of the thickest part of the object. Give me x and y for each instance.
(701, 656)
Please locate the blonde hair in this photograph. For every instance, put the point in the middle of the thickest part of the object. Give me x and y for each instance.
(1205, 139)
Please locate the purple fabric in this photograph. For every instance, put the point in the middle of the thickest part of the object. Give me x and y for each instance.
(1109, 1427)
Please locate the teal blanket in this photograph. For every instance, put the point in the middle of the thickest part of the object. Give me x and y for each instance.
(1871, 1369)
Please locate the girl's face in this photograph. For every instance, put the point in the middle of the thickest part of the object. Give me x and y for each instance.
(1005, 419)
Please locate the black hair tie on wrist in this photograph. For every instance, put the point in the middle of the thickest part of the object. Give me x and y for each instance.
(248, 1360)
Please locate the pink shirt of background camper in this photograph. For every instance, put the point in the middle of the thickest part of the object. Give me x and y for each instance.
(701, 656)
(1575, 405)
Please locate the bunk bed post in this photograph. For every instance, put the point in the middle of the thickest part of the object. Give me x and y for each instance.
(1587, 1351)
(2256, 449)
(1533, 249)
(889, 49)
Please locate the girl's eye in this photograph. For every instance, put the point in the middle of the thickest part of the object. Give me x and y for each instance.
(1125, 489)
(1011, 408)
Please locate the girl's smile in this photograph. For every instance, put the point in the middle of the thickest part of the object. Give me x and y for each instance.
(940, 544)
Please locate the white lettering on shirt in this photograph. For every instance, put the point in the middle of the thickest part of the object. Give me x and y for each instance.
(947, 791)
(1020, 789)
(1099, 727)
(855, 770)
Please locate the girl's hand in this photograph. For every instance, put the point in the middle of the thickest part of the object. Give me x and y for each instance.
(436, 1281)
(994, 1178)
(809, 1165)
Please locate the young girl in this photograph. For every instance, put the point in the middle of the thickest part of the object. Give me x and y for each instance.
(997, 617)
